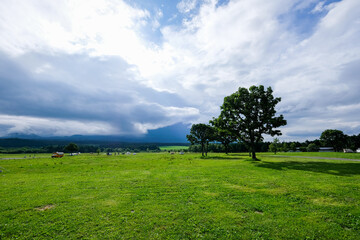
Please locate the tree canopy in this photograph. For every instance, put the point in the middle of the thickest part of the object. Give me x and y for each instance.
(250, 113)
(333, 138)
(202, 134)
(275, 146)
(221, 134)
(72, 147)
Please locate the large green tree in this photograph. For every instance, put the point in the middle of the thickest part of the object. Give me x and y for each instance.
(250, 113)
(333, 138)
(201, 133)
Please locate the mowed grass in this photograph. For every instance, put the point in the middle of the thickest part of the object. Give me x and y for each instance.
(25, 155)
(318, 154)
(173, 148)
(163, 196)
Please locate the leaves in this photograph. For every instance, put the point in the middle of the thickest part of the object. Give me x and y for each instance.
(248, 114)
(200, 133)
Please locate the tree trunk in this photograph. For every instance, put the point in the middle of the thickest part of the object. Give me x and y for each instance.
(202, 149)
(253, 154)
(207, 147)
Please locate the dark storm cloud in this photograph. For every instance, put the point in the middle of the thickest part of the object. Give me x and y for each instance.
(82, 89)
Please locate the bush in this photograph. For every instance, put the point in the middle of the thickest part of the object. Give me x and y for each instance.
(312, 148)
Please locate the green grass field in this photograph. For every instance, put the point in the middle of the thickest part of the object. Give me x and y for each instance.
(163, 196)
(173, 148)
(25, 155)
(319, 154)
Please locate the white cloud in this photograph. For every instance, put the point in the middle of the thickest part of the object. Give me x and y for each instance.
(53, 126)
(185, 6)
(319, 7)
(100, 27)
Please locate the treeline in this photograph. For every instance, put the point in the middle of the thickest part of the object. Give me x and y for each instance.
(84, 148)
(331, 138)
(232, 147)
(334, 139)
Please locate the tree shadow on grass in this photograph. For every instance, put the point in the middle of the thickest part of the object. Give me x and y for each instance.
(222, 158)
(239, 154)
(339, 169)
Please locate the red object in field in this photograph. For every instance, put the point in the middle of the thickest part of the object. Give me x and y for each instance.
(57, 155)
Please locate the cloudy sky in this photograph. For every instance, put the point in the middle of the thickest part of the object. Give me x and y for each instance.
(123, 67)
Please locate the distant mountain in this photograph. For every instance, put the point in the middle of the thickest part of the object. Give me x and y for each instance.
(175, 133)
(22, 136)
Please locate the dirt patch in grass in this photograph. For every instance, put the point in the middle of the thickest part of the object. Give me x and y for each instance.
(44, 208)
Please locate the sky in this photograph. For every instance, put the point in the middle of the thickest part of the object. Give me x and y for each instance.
(123, 67)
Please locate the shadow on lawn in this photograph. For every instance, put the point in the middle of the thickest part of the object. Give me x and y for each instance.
(222, 158)
(339, 169)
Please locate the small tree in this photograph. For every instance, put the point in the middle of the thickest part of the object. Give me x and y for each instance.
(353, 142)
(248, 114)
(312, 147)
(333, 138)
(201, 134)
(284, 147)
(274, 146)
(72, 147)
(293, 147)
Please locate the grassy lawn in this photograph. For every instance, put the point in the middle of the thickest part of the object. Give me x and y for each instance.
(319, 154)
(173, 148)
(163, 196)
(25, 155)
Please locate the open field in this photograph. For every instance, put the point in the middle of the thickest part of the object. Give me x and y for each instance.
(319, 154)
(173, 148)
(25, 155)
(163, 196)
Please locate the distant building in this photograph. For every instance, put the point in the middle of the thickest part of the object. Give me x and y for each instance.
(326, 149)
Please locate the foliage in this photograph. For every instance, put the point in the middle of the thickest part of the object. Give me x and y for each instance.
(293, 147)
(83, 147)
(201, 134)
(284, 147)
(221, 134)
(233, 147)
(248, 114)
(312, 147)
(72, 147)
(333, 138)
(353, 142)
(275, 146)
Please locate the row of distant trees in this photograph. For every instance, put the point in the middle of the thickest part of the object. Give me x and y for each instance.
(85, 148)
(235, 147)
(329, 138)
(245, 116)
